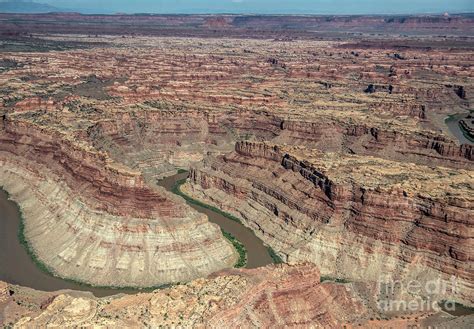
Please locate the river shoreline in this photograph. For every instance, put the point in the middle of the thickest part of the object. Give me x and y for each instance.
(20, 266)
(258, 254)
(453, 123)
(238, 246)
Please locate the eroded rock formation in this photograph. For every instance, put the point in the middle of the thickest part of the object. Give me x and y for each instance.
(92, 220)
(356, 217)
(265, 297)
(361, 184)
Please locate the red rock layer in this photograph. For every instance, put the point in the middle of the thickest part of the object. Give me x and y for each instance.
(270, 297)
(176, 128)
(102, 185)
(414, 228)
(94, 221)
(366, 140)
(266, 297)
(294, 298)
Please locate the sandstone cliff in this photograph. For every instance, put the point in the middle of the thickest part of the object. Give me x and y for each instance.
(381, 185)
(90, 219)
(356, 217)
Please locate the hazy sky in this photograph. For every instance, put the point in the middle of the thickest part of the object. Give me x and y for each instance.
(271, 6)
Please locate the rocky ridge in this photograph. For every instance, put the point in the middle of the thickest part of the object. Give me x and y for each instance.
(356, 217)
(358, 173)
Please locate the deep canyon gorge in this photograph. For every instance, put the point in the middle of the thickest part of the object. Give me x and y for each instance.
(343, 154)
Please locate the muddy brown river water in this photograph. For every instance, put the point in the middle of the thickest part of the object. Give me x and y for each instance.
(17, 267)
(257, 253)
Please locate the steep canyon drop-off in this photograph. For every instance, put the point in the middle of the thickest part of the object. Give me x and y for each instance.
(334, 153)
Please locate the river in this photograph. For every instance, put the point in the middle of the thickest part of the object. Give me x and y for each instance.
(453, 125)
(257, 253)
(17, 267)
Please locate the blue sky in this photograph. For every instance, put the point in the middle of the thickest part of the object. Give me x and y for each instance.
(270, 6)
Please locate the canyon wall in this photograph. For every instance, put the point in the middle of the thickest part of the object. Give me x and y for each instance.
(156, 141)
(359, 173)
(359, 218)
(92, 220)
(423, 148)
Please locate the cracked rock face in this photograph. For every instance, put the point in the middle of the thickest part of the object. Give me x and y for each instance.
(261, 297)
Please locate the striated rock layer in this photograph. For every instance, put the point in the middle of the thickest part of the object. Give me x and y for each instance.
(98, 121)
(92, 220)
(359, 218)
(266, 297)
(156, 141)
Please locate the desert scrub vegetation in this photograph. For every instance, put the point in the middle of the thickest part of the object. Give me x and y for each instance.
(176, 190)
(276, 259)
(239, 247)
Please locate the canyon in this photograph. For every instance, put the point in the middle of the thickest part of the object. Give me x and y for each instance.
(356, 217)
(334, 148)
(107, 223)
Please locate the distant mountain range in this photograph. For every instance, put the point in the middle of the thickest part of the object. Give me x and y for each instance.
(27, 7)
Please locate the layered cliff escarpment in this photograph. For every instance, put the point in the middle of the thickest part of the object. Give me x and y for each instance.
(157, 103)
(265, 297)
(379, 185)
(357, 217)
(394, 143)
(467, 126)
(156, 141)
(92, 220)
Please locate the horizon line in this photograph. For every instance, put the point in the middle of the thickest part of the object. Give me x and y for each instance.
(65, 11)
